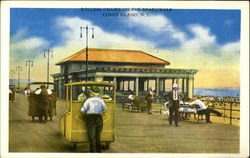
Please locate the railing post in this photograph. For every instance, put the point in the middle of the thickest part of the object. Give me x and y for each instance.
(224, 111)
(231, 113)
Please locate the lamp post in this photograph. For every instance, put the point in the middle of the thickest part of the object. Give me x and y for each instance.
(81, 36)
(48, 53)
(19, 69)
(29, 63)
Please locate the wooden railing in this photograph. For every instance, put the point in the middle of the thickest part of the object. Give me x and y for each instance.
(223, 103)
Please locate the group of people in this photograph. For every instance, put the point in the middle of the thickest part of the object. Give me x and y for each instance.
(173, 100)
(44, 100)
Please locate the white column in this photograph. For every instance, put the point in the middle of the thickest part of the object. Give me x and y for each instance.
(190, 87)
(161, 84)
(183, 85)
(148, 84)
(157, 85)
(177, 82)
(137, 86)
(114, 81)
(193, 86)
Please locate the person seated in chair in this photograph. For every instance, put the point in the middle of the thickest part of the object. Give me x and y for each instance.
(106, 98)
(131, 96)
(203, 109)
(84, 95)
(185, 111)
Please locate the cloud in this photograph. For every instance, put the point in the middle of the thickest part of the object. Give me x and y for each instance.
(19, 35)
(23, 47)
(70, 34)
(29, 43)
(72, 42)
(156, 24)
(201, 39)
(231, 48)
(201, 43)
(201, 51)
(202, 36)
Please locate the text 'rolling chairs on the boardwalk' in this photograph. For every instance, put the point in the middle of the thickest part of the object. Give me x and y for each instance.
(72, 123)
(34, 100)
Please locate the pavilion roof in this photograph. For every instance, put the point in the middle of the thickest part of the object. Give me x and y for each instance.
(114, 55)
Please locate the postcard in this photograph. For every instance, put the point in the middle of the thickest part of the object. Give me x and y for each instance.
(124, 79)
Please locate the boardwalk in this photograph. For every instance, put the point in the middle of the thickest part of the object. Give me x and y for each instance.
(135, 133)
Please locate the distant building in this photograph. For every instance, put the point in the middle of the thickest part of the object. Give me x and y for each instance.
(129, 69)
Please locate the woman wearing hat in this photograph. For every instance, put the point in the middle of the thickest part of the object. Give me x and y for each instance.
(94, 106)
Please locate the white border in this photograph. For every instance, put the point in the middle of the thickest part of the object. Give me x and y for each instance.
(244, 59)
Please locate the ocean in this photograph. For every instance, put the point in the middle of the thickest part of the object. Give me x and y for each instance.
(218, 92)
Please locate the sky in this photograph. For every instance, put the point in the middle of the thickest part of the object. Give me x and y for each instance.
(207, 40)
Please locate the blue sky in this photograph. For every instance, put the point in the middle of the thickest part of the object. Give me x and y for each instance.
(207, 40)
(225, 24)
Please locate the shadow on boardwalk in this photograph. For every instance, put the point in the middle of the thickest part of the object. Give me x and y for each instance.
(135, 133)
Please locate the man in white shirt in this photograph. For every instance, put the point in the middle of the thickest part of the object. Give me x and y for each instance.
(94, 107)
(203, 109)
(131, 96)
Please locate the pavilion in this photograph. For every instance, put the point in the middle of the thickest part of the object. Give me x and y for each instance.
(130, 70)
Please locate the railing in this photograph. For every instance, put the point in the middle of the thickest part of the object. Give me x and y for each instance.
(214, 103)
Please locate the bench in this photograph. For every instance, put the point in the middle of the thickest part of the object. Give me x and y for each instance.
(125, 102)
(138, 105)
